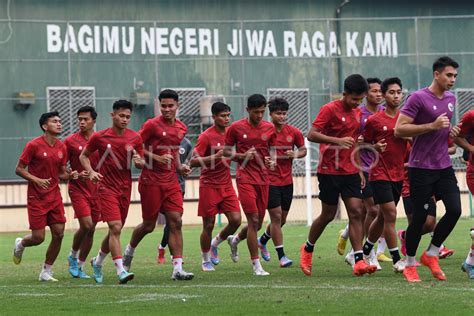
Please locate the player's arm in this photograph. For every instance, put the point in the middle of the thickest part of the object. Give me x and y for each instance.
(315, 136)
(182, 169)
(464, 144)
(67, 174)
(86, 163)
(21, 170)
(161, 159)
(138, 160)
(198, 161)
(405, 127)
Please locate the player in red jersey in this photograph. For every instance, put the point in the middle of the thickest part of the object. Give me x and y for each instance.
(158, 184)
(336, 128)
(43, 164)
(118, 147)
(216, 193)
(252, 138)
(83, 193)
(387, 173)
(289, 144)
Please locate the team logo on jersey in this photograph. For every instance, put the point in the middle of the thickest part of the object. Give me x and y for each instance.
(450, 106)
(343, 119)
(80, 147)
(289, 139)
(435, 107)
(60, 155)
(264, 137)
(385, 128)
(181, 150)
(245, 136)
(45, 154)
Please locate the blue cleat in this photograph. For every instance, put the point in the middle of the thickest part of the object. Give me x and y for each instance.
(82, 274)
(125, 276)
(285, 262)
(264, 251)
(97, 274)
(215, 255)
(73, 267)
(469, 269)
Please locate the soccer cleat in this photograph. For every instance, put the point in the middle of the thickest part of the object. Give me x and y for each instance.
(349, 259)
(399, 266)
(306, 261)
(469, 269)
(73, 268)
(361, 267)
(285, 262)
(403, 244)
(264, 251)
(234, 254)
(445, 252)
(182, 276)
(97, 272)
(260, 272)
(160, 259)
(371, 260)
(125, 276)
(46, 276)
(432, 262)
(82, 274)
(127, 262)
(207, 266)
(382, 257)
(215, 255)
(341, 243)
(17, 252)
(411, 275)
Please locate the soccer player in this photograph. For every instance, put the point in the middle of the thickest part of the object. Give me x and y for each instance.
(252, 138)
(216, 193)
(386, 176)
(158, 184)
(425, 117)
(43, 164)
(118, 147)
(289, 145)
(83, 192)
(336, 128)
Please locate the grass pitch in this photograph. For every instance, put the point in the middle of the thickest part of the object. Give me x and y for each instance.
(232, 289)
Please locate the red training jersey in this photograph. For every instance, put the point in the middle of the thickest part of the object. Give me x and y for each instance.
(244, 136)
(335, 120)
(467, 128)
(406, 181)
(44, 161)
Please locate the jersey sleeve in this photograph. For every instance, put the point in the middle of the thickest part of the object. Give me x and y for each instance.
(201, 147)
(368, 133)
(299, 138)
(65, 155)
(27, 154)
(272, 141)
(467, 124)
(145, 131)
(138, 145)
(412, 106)
(93, 144)
(230, 136)
(322, 119)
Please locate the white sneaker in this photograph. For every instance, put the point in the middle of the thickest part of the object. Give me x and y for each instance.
(399, 266)
(260, 272)
(182, 275)
(207, 266)
(17, 251)
(234, 254)
(350, 259)
(46, 276)
(372, 260)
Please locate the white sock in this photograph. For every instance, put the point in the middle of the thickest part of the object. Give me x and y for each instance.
(99, 260)
(177, 264)
(236, 239)
(345, 233)
(411, 261)
(47, 267)
(382, 244)
(73, 253)
(206, 256)
(216, 241)
(470, 256)
(80, 263)
(119, 265)
(256, 264)
(432, 251)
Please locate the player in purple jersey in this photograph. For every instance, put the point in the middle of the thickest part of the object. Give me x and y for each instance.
(426, 117)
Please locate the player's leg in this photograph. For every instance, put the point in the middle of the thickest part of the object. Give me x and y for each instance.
(274, 228)
(342, 240)
(57, 234)
(252, 243)
(375, 231)
(468, 264)
(286, 200)
(233, 222)
(84, 251)
(205, 240)
(82, 242)
(174, 221)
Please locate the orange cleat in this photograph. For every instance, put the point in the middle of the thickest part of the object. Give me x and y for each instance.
(160, 259)
(306, 261)
(445, 252)
(432, 262)
(361, 267)
(411, 275)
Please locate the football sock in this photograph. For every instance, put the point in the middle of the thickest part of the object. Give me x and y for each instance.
(265, 238)
(309, 247)
(280, 251)
(395, 255)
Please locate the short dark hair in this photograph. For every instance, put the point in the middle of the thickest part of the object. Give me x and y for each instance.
(45, 116)
(355, 84)
(374, 80)
(443, 62)
(122, 104)
(278, 104)
(86, 109)
(255, 101)
(168, 94)
(219, 107)
(387, 82)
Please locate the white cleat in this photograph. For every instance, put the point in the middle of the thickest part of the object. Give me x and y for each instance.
(350, 259)
(260, 272)
(399, 266)
(46, 276)
(18, 251)
(182, 276)
(234, 254)
(372, 261)
(207, 266)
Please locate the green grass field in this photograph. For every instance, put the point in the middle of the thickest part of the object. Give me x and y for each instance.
(232, 289)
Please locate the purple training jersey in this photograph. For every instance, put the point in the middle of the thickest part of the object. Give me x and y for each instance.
(367, 157)
(430, 150)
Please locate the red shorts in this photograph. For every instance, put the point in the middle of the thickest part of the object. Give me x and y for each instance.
(470, 180)
(113, 206)
(215, 201)
(85, 206)
(253, 198)
(160, 198)
(45, 213)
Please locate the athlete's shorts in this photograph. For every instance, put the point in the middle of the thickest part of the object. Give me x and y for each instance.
(113, 206)
(367, 191)
(386, 191)
(217, 200)
(280, 196)
(160, 198)
(409, 207)
(85, 206)
(253, 198)
(45, 213)
(331, 186)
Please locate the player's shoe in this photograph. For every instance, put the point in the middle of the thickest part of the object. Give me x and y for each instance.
(125, 276)
(73, 267)
(399, 266)
(361, 267)
(82, 274)
(127, 262)
(260, 272)
(349, 259)
(97, 272)
(207, 266)
(411, 275)
(306, 261)
(215, 255)
(17, 252)
(234, 254)
(381, 257)
(285, 262)
(432, 262)
(160, 258)
(46, 276)
(445, 252)
(341, 243)
(469, 269)
(371, 260)
(182, 276)
(264, 251)
(403, 244)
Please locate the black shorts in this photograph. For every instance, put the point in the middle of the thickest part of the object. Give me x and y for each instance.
(280, 196)
(386, 191)
(367, 191)
(331, 186)
(409, 207)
